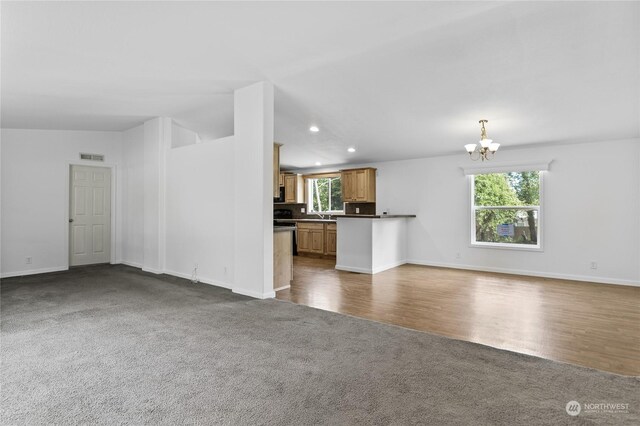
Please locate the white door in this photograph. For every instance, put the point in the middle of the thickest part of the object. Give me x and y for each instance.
(90, 215)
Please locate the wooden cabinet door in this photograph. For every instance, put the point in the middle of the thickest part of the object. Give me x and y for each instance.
(304, 243)
(317, 241)
(348, 186)
(290, 188)
(361, 185)
(332, 242)
(281, 181)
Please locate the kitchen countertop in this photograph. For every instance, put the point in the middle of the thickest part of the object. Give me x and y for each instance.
(284, 228)
(306, 220)
(376, 216)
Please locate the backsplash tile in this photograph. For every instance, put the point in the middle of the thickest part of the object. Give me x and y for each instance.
(350, 208)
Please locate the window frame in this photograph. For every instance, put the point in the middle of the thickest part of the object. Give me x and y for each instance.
(506, 246)
(308, 193)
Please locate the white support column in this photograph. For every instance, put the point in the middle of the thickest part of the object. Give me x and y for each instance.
(253, 180)
(157, 140)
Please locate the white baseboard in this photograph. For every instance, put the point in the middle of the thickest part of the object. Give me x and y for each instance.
(33, 271)
(389, 266)
(203, 280)
(370, 271)
(586, 278)
(152, 270)
(134, 264)
(254, 294)
(354, 269)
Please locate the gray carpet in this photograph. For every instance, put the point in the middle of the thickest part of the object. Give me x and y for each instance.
(113, 345)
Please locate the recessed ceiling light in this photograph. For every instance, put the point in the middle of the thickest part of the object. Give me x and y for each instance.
(351, 149)
(318, 163)
(314, 129)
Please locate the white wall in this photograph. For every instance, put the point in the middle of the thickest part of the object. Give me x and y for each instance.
(157, 142)
(253, 178)
(133, 196)
(181, 208)
(591, 207)
(200, 214)
(35, 194)
(174, 202)
(183, 137)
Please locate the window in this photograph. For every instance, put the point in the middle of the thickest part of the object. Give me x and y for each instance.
(506, 210)
(324, 193)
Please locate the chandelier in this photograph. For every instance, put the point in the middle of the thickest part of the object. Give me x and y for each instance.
(483, 150)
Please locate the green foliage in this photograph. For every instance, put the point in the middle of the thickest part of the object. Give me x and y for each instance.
(494, 190)
(527, 187)
(506, 189)
(326, 194)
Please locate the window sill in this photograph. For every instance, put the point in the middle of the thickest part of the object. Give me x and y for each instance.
(504, 246)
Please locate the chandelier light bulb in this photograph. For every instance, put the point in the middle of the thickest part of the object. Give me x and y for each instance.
(487, 147)
(470, 147)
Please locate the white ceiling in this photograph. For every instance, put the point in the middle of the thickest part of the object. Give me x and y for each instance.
(394, 79)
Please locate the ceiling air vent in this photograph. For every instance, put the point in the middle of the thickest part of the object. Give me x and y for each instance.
(92, 157)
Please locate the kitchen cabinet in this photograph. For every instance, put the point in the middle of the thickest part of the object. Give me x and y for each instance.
(359, 185)
(293, 188)
(318, 238)
(303, 239)
(310, 237)
(281, 180)
(331, 235)
(276, 169)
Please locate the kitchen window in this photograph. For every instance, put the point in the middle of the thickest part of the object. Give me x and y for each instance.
(506, 210)
(324, 193)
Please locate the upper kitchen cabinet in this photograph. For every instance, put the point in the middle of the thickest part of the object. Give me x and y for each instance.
(293, 188)
(359, 185)
(276, 169)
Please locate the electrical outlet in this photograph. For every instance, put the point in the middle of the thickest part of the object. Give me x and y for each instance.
(28, 260)
(225, 270)
(302, 210)
(357, 210)
(594, 265)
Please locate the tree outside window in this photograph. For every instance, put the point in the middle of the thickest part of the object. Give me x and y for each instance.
(324, 194)
(506, 209)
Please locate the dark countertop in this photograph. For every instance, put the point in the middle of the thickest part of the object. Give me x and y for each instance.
(376, 216)
(306, 220)
(284, 228)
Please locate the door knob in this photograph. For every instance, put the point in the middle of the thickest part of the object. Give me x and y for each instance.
(70, 220)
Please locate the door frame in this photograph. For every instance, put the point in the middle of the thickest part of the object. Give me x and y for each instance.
(114, 207)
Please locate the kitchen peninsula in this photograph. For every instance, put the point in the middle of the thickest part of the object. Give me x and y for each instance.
(371, 243)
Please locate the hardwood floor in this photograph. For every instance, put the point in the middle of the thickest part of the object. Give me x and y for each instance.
(594, 325)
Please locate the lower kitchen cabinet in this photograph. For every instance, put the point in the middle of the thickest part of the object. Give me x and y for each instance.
(332, 239)
(318, 238)
(317, 241)
(303, 235)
